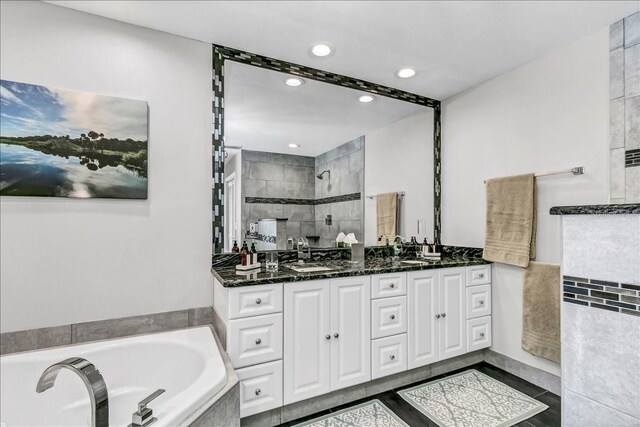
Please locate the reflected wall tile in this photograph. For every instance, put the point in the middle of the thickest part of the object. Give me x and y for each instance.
(616, 73)
(616, 123)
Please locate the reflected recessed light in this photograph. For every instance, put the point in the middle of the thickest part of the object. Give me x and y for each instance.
(321, 49)
(405, 73)
(294, 81)
(293, 146)
(366, 98)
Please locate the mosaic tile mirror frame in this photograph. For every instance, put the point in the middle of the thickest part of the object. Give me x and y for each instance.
(221, 54)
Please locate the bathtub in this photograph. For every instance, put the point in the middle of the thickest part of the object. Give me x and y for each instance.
(186, 363)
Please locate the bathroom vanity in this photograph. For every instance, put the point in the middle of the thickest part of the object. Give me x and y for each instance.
(295, 336)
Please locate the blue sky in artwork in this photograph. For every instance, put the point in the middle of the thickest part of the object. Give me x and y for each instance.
(27, 110)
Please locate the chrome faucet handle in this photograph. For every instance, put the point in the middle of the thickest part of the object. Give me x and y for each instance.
(144, 416)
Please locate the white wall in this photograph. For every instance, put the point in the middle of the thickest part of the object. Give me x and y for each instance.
(399, 157)
(65, 260)
(233, 165)
(547, 115)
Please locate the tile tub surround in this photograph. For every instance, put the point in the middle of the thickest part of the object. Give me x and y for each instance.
(600, 324)
(624, 108)
(342, 268)
(36, 339)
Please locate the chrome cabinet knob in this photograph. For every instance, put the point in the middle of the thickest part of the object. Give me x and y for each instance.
(444, 314)
(336, 335)
(392, 285)
(437, 316)
(258, 301)
(392, 357)
(258, 341)
(481, 275)
(258, 391)
(481, 301)
(327, 336)
(481, 334)
(393, 316)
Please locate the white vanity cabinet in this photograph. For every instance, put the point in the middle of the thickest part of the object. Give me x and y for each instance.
(446, 313)
(327, 336)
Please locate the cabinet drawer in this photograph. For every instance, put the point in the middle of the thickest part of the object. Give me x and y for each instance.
(388, 355)
(478, 333)
(388, 317)
(478, 301)
(255, 340)
(388, 285)
(260, 388)
(255, 300)
(478, 274)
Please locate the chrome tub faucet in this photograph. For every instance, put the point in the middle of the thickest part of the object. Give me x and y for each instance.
(92, 379)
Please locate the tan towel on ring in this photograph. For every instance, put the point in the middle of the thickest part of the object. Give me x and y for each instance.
(510, 235)
(541, 311)
(387, 215)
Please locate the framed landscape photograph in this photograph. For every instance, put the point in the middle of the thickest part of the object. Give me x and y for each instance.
(63, 143)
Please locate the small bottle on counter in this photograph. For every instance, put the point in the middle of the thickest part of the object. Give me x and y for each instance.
(254, 254)
(235, 247)
(244, 254)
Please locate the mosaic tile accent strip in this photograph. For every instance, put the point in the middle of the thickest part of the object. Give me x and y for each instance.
(284, 201)
(619, 297)
(471, 398)
(632, 158)
(222, 53)
(368, 414)
(611, 209)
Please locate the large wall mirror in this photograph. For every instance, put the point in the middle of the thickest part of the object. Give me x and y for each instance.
(307, 158)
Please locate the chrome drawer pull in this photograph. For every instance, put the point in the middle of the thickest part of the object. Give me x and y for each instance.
(258, 341)
(481, 302)
(393, 316)
(481, 275)
(258, 301)
(392, 357)
(336, 335)
(393, 285)
(444, 314)
(481, 334)
(327, 336)
(258, 391)
(437, 316)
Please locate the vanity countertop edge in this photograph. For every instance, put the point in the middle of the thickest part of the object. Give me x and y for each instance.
(228, 278)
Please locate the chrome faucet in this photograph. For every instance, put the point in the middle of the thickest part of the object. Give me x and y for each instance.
(92, 379)
(302, 245)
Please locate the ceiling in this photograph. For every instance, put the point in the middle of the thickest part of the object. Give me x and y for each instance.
(262, 113)
(452, 45)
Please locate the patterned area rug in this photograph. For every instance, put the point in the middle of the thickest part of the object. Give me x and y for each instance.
(368, 414)
(471, 399)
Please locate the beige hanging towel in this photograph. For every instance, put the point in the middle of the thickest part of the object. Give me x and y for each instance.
(387, 215)
(510, 235)
(541, 311)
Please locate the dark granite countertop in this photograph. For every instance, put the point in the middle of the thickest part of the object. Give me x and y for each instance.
(228, 276)
(611, 209)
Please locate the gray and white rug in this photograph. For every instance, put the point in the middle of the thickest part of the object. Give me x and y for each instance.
(368, 414)
(471, 399)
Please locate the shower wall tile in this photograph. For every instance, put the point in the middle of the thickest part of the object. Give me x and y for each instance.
(616, 73)
(579, 410)
(632, 29)
(33, 339)
(632, 123)
(303, 174)
(616, 170)
(632, 184)
(616, 35)
(268, 171)
(616, 123)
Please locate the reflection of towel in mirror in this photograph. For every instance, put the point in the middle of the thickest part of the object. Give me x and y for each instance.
(510, 235)
(387, 214)
(541, 310)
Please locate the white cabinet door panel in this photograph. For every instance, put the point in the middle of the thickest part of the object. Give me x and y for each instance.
(350, 329)
(388, 316)
(478, 333)
(388, 285)
(478, 301)
(255, 300)
(260, 388)
(452, 311)
(388, 355)
(423, 327)
(307, 342)
(478, 274)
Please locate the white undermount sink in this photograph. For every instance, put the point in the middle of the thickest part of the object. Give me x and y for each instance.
(308, 269)
(413, 261)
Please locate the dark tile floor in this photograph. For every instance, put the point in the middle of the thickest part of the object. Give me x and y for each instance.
(413, 417)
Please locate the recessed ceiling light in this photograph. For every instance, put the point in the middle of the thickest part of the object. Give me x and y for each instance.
(293, 146)
(366, 98)
(321, 49)
(405, 73)
(294, 81)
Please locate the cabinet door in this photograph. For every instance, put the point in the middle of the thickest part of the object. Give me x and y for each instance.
(452, 311)
(307, 339)
(422, 328)
(350, 331)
